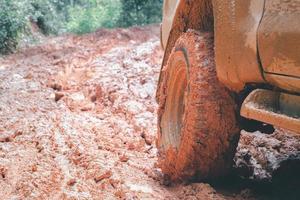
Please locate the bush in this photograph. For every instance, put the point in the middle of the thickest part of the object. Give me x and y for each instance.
(50, 15)
(78, 16)
(15, 16)
(97, 13)
(113, 13)
(13, 19)
(140, 12)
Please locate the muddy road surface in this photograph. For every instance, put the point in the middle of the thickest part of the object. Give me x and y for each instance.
(78, 120)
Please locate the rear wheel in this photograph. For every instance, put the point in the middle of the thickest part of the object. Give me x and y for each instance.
(197, 126)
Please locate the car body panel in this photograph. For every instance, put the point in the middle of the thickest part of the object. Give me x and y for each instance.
(236, 24)
(279, 43)
(288, 83)
(256, 41)
(169, 10)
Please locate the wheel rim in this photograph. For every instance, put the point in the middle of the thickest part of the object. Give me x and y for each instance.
(173, 116)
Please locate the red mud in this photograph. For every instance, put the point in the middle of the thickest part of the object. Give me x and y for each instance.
(78, 120)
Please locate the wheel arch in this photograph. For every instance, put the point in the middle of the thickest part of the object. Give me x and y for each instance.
(235, 25)
(197, 15)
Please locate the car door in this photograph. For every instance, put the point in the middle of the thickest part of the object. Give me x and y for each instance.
(279, 39)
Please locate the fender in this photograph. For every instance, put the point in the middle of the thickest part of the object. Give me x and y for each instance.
(236, 27)
(189, 14)
(235, 24)
(169, 11)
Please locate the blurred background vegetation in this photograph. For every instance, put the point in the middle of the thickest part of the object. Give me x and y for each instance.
(75, 16)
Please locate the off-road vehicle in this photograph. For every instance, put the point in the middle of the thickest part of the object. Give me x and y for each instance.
(228, 64)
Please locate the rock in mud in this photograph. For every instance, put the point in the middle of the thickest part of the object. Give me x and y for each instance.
(147, 139)
(3, 172)
(124, 158)
(263, 157)
(106, 175)
(199, 191)
(55, 86)
(71, 182)
(58, 96)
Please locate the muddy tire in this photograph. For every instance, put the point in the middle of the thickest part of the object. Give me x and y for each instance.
(197, 125)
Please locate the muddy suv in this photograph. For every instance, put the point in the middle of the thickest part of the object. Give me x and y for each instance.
(227, 64)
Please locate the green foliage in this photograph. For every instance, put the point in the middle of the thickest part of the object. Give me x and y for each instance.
(49, 15)
(140, 12)
(13, 18)
(97, 13)
(78, 16)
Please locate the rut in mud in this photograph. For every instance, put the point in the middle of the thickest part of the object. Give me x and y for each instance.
(78, 120)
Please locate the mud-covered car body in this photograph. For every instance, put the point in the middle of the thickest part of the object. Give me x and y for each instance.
(257, 42)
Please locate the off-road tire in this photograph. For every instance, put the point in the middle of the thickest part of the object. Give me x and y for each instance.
(197, 125)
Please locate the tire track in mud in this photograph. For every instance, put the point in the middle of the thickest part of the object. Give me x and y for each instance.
(96, 141)
(75, 147)
(63, 163)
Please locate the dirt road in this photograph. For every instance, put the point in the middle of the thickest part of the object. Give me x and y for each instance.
(78, 120)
